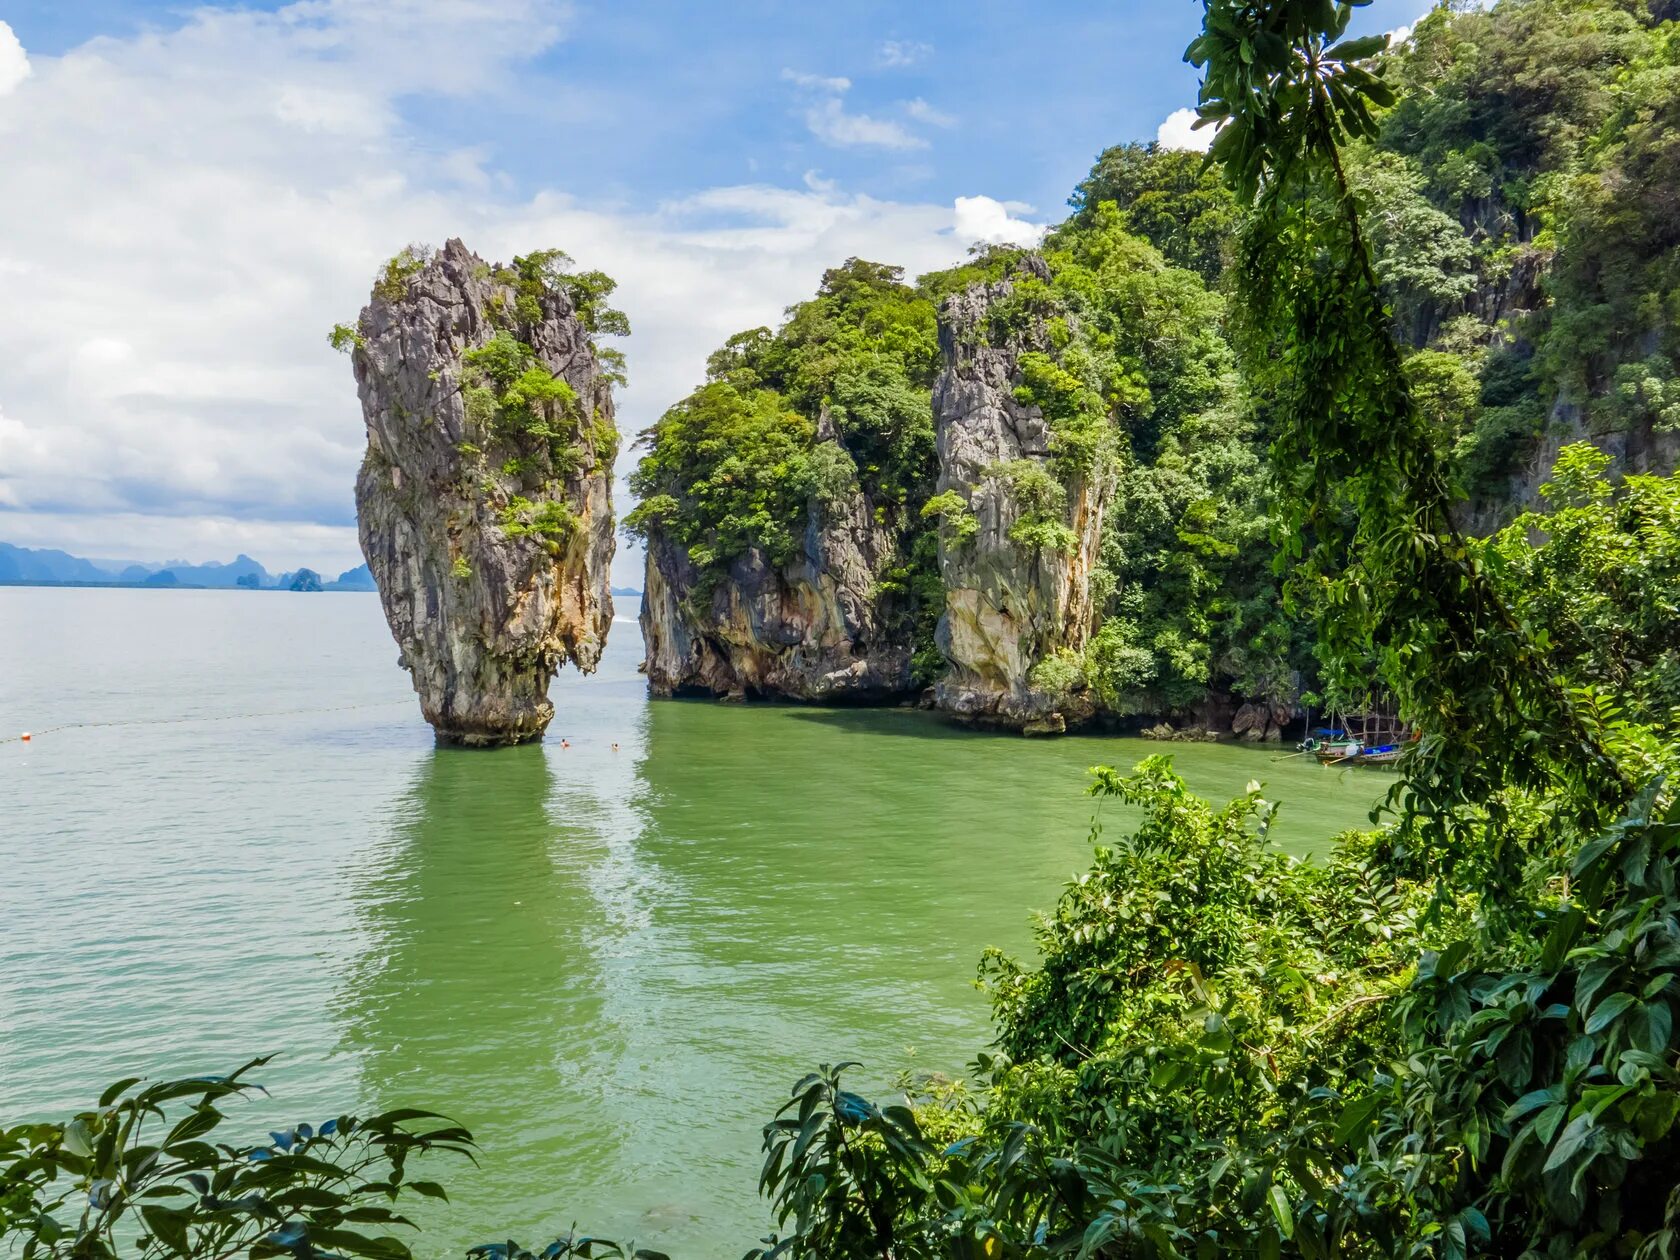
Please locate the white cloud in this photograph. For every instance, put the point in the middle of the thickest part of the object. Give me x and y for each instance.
(992, 222)
(14, 62)
(1177, 132)
(898, 53)
(830, 122)
(1399, 35)
(337, 111)
(166, 383)
(922, 112)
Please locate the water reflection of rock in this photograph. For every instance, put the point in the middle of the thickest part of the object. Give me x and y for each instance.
(476, 991)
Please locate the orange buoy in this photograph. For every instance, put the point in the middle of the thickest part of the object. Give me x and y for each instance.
(26, 737)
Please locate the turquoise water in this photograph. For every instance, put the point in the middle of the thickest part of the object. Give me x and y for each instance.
(610, 965)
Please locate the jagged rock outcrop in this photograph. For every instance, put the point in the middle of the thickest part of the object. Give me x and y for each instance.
(815, 629)
(1262, 721)
(485, 515)
(1008, 604)
(1643, 448)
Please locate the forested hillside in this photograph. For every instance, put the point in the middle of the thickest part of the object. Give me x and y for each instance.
(1107, 551)
(1526, 222)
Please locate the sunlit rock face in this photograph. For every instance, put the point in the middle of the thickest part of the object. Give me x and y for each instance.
(1007, 605)
(491, 540)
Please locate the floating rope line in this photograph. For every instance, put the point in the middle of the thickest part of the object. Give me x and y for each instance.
(183, 721)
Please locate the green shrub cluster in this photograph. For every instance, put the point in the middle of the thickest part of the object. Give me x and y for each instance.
(1596, 572)
(391, 284)
(511, 396)
(544, 273)
(549, 519)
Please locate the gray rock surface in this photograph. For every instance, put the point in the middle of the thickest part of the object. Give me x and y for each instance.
(483, 616)
(1007, 606)
(810, 630)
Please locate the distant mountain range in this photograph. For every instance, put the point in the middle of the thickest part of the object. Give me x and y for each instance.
(25, 566)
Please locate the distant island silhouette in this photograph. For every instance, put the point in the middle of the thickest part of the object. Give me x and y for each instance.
(25, 566)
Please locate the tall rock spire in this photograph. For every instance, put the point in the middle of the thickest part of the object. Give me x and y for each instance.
(484, 503)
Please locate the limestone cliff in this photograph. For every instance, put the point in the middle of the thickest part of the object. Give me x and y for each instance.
(484, 500)
(1009, 602)
(814, 629)
(787, 557)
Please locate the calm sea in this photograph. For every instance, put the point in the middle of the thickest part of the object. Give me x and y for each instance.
(609, 965)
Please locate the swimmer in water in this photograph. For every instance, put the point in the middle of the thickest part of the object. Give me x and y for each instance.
(565, 743)
(615, 747)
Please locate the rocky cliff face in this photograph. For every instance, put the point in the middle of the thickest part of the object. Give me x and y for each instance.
(814, 629)
(1008, 605)
(484, 501)
(1640, 447)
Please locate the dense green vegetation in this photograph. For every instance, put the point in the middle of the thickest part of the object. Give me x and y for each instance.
(1510, 195)
(1459, 1038)
(1184, 592)
(1598, 572)
(1130, 367)
(1535, 242)
(1525, 244)
(540, 433)
(1170, 197)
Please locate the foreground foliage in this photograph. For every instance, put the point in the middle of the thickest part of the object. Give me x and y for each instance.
(137, 1176)
(1598, 570)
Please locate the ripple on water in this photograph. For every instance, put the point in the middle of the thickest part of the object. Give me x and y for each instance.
(609, 965)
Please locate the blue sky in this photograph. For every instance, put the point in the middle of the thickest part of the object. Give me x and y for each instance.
(196, 192)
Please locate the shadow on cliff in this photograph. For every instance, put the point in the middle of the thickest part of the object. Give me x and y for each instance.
(916, 724)
(904, 723)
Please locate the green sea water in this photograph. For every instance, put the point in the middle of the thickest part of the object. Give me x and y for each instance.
(609, 964)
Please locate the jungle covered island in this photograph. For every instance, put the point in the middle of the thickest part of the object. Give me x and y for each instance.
(781, 504)
(1026, 483)
(1032, 489)
(484, 503)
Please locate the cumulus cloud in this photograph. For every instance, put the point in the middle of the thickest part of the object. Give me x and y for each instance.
(14, 62)
(1177, 132)
(1399, 35)
(165, 381)
(829, 120)
(895, 54)
(987, 221)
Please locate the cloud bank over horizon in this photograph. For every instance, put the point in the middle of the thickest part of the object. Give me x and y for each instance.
(165, 384)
